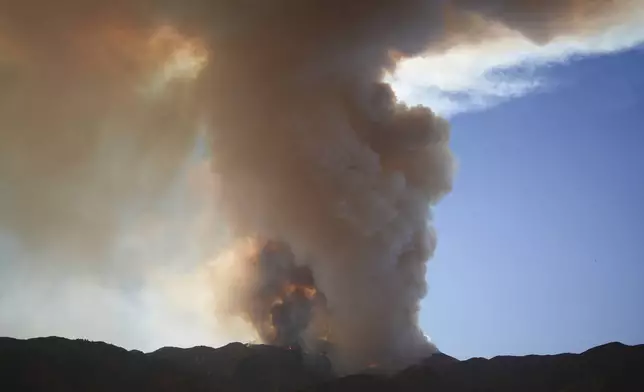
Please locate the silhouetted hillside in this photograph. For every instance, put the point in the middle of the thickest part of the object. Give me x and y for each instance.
(57, 364)
(612, 367)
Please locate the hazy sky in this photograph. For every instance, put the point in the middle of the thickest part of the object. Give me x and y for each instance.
(539, 245)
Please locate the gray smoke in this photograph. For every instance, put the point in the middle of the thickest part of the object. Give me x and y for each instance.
(309, 147)
(286, 304)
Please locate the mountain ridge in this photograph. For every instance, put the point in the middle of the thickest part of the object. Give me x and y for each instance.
(60, 364)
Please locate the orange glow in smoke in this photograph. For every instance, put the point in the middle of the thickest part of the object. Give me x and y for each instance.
(182, 58)
(131, 55)
(308, 291)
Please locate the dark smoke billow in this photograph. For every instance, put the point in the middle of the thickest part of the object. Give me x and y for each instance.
(311, 150)
(288, 310)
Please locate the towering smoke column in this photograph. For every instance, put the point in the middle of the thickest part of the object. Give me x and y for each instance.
(319, 166)
(313, 150)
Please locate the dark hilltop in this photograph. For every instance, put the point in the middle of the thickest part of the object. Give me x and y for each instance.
(58, 364)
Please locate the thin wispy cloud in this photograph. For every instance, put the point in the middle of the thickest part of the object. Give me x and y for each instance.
(472, 77)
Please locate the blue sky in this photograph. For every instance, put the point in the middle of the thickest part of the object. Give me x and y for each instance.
(541, 241)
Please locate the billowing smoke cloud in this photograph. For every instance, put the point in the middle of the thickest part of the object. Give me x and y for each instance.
(83, 133)
(318, 165)
(275, 295)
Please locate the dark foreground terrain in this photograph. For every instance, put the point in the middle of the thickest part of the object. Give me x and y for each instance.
(57, 364)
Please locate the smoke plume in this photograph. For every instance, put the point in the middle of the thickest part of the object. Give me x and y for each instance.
(324, 174)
